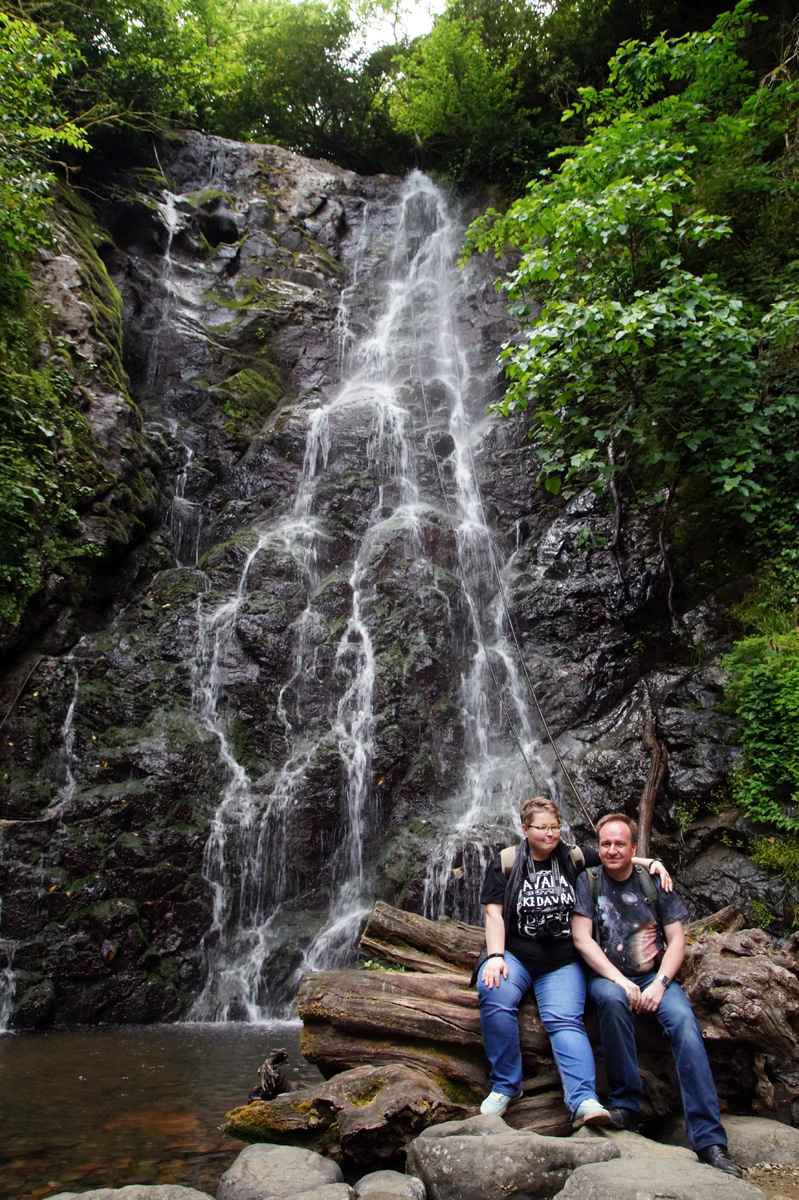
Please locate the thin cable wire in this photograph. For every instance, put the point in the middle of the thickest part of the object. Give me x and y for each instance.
(492, 557)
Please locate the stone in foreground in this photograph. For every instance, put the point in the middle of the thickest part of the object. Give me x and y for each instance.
(390, 1183)
(264, 1170)
(750, 1139)
(479, 1157)
(137, 1191)
(641, 1179)
(326, 1191)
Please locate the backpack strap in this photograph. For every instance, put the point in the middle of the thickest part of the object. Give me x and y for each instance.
(506, 858)
(649, 888)
(577, 859)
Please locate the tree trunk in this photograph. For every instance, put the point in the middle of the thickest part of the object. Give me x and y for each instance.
(407, 940)
(352, 1018)
(659, 757)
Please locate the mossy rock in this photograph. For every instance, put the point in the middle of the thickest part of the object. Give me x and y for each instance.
(105, 302)
(249, 396)
(290, 1120)
(207, 196)
(224, 555)
(108, 915)
(35, 1007)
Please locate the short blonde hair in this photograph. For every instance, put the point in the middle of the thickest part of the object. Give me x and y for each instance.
(625, 820)
(539, 804)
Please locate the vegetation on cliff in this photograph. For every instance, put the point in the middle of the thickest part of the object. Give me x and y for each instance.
(37, 488)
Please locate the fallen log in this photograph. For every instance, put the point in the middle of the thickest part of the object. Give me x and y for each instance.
(363, 1115)
(407, 940)
(352, 1018)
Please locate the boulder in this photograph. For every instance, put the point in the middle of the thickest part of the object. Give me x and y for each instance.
(326, 1191)
(634, 1145)
(482, 1156)
(267, 1170)
(137, 1191)
(750, 1140)
(390, 1183)
(646, 1179)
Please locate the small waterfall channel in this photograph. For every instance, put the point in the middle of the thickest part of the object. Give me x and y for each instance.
(403, 409)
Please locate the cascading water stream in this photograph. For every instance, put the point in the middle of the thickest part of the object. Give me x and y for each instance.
(185, 519)
(406, 386)
(52, 815)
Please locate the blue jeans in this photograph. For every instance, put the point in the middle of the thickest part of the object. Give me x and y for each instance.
(675, 1015)
(560, 996)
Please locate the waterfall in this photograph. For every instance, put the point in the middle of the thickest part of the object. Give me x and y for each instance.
(52, 816)
(402, 410)
(185, 518)
(8, 983)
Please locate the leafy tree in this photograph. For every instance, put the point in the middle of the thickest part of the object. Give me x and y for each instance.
(310, 84)
(37, 516)
(32, 125)
(457, 93)
(643, 366)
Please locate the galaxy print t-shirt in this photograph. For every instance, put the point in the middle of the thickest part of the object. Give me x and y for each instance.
(626, 928)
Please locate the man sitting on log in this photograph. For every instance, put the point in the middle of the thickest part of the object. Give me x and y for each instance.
(634, 944)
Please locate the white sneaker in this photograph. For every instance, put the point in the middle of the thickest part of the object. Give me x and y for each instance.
(590, 1112)
(495, 1104)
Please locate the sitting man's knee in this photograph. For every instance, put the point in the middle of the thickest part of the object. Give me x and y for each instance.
(606, 994)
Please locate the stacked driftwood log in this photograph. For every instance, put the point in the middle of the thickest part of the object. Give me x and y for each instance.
(400, 1047)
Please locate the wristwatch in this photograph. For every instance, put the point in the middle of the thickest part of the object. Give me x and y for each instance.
(664, 979)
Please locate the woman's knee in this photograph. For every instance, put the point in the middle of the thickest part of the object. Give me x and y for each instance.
(502, 997)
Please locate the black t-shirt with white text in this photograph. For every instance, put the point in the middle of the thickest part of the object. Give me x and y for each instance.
(539, 932)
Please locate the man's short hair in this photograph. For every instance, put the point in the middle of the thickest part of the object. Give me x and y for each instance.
(539, 804)
(625, 820)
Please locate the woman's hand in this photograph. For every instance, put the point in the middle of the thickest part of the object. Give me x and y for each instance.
(656, 867)
(494, 969)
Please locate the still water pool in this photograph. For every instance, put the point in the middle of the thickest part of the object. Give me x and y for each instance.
(104, 1107)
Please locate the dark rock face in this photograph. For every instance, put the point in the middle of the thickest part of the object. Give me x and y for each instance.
(290, 706)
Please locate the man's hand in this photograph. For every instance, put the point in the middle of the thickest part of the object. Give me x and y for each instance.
(494, 969)
(631, 991)
(651, 997)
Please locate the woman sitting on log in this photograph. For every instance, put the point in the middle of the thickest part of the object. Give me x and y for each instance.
(528, 907)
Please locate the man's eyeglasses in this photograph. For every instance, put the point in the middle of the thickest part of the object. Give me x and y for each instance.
(544, 828)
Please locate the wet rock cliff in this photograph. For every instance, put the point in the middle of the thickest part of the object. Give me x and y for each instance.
(316, 668)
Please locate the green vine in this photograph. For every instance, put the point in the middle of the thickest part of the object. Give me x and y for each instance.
(764, 694)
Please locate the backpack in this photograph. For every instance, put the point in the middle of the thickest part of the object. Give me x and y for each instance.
(648, 887)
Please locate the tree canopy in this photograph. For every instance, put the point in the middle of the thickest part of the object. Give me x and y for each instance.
(657, 349)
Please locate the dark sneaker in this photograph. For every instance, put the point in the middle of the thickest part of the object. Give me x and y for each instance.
(717, 1156)
(625, 1118)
